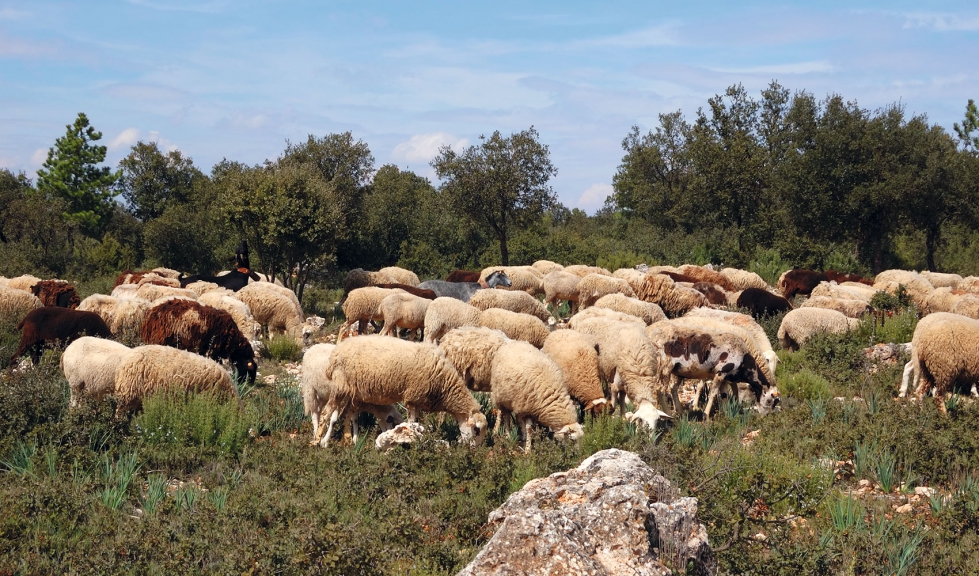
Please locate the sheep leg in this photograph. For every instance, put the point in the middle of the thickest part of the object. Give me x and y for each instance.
(329, 430)
(412, 413)
(678, 409)
(906, 378)
(527, 423)
(504, 415)
(696, 395)
(618, 393)
(715, 388)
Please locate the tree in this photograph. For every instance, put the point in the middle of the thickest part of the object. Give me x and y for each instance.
(72, 173)
(151, 181)
(502, 182)
(969, 125)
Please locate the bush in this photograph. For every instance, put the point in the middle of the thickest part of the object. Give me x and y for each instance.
(204, 420)
(281, 348)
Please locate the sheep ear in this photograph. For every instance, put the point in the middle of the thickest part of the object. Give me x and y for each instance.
(598, 348)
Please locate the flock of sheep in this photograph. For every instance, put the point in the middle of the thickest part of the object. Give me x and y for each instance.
(633, 335)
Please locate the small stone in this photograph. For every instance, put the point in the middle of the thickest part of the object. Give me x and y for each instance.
(865, 483)
(924, 491)
(904, 509)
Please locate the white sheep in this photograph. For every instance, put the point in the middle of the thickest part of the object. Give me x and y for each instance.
(444, 314)
(969, 284)
(522, 278)
(546, 266)
(16, 303)
(24, 283)
(515, 325)
(849, 307)
(559, 285)
(403, 310)
(145, 370)
(583, 270)
(801, 324)
(746, 322)
(944, 299)
(705, 274)
(939, 280)
(529, 385)
(401, 276)
(513, 301)
(89, 365)
(275, 310)
(943, 355)
(967, 306)
(240, 312)
(835, 291)
(121, 315)
(645, 311)
(280, 289)
(594, 286)
(363, 305)
(916, 285)
(607, 313)
(166, 272)
(201, 287)
(741, 279)
(317, 389)
(153, 292)
(663, 291)
(378, 370)
(471, 350)
(576, 354)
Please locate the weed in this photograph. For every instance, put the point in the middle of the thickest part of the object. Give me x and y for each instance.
(186, 496)
(156, 491)
(904, 553)
(863, 458)
(21, 458)
(845, 513)
(685, 432)
(885, 471)
(218, 497)
(118, 476)
(817, 407)
(281, 348)
(203, 420)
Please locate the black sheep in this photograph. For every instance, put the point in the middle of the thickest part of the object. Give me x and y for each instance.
(53, 324)
(762, 302)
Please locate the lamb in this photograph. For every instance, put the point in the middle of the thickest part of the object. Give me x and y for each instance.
(378, 370)
(317, 389)
(576, 354)
(401, 276)
(513, 301)
(15, 303)
(445, 314)
(545, 267)
(146, 370)
(850, 308)
(89, 365)
(703, 274)
(762, 302)
(758, 336)
(943, 355)
(51, 324)
(363, 305)
(645, 311)
(663, 291)
(559, 285)
(189, 325)
(56, 293)
(471, 350)
(123, 316)
(583, 270)
(464, 290)
(515, 325)
(275, 310)
(801, 324)
(529, 385)
(594, 286)
(741, 279)
(403, 310)
(222, 299)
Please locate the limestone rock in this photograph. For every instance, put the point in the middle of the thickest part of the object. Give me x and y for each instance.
(404, 433)
(612, 515)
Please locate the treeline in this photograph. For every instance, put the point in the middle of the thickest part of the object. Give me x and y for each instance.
(786, 180)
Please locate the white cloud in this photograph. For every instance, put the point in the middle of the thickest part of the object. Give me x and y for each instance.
(39, 156)
(664, 35)
(126, 138)
(424, 147)
(817, 66)
(594, 197)
(942, 22)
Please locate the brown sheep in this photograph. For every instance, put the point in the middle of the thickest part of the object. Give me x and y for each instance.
(56, 293)
(52, 324)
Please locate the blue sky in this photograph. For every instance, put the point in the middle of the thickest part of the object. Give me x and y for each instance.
(221, 79)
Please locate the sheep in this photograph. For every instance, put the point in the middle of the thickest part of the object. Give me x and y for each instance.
(275, 310)
(445, 314)
(861, 289)
(660, 269)
(403, 310)
(741, 279)
(801, 324)
(463, 276)
(842, 277)
(628, 361)
(914, 284)
(850, 308)
(559, 285)
(401, 276)
(529, 385)
(363, 305)
(715, 295)
(762, 302)
(200, 287)
(576, 354)
(747, 323)
(223, 299)
(943, 300)
(234, 280)
(282, 291)
(513, 301)
(799, 281)
(831, 290)
(89, 365)
(663, 291)
(515, 325)
(146, 370)
(943, 355)
(594, 286)
(360, 278)
(121, 315)
(51, 324)
(582, 270)
(703, 274)
(208, 331)
(125, 291)
(25, 282)
(166, 272)
(56, 293)
(378, 370)
(317, 389)
(471, 350)
(546, 266)
(464, 290)
(522, 278)
(645, 311)
(967, 306)
(153, 291)
(969, 284)
(630, 275)
(607, 313)
(16, 303)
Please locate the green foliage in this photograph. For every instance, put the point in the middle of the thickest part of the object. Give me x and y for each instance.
(151, 181)
(205, 421)
(845, 513)
(623, 259)
(804, 384)
(768, 264)
(71, 173)
(282, 348)
(969, 125)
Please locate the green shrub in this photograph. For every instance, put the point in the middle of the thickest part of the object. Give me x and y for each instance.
(205, 420)
(768, 264)
(804, 384)
(281, 348)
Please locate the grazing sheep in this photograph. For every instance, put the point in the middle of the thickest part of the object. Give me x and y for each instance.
(969, 284)
(154, 291)
(379, 370)
(446, 314)
(741, 279)
(166, 272)
(56, 293)
(121, 315)
(146, 370)
(275, 310)
(850, 308)
(576, 354)
(704, 274)
(522, 278)
(914, 284)
(233, 280)
(513, 301)
(360, 278)
(463, 276)
(594, 286)
(967, 306)
(831, 290)
(15, 303)
(89, 365)
(607, 313)
(515, 325)
(841, 277)
(208, 331)
(401, 276)
(559, 285)
(645, 311)
(403, 310)
(747, 323)
(464, 290)
(25, 282)
(660, 269)
(762, 302)
(471, 350)
(530, 386)
(799, 281)
(363, 305)
(714, 293)
(545, 267)
(799, 325)
(223, 299)
(944, 299)
(943, 355)
(583, 270)
(53, 324)
(201, 287)
(283, 291)
(317, 389)
(663, 291)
